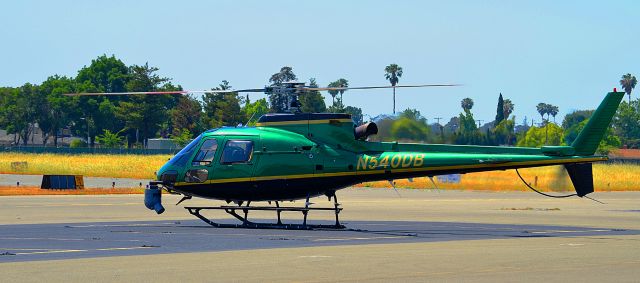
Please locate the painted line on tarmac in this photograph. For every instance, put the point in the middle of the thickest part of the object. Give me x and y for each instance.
(571, 231)
(48, 239)
(52, 252)
(359, 238)
(121, 249)
(120, 225)
(78, 204)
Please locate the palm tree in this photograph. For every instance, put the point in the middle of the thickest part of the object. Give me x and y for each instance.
(466, 104)
(507, 107)
(542, 109)
(393, 73)
(345, 83)
(333, 93)
(628, 83)
(339, 83)
(553, 111)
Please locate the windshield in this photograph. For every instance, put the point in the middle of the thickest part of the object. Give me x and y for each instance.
(183, 155)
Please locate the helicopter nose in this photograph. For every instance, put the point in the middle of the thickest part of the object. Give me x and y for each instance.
(168, 177)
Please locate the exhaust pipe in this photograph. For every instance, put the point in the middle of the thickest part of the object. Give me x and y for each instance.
(153, 198)
(363, 131)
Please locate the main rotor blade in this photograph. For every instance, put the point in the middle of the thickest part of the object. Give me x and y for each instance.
(163, 92)
(377, 87)
(125, 93)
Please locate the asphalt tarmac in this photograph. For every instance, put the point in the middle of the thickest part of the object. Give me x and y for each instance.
(415, 236)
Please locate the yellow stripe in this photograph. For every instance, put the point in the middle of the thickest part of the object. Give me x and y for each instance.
(302, 122)
(471, 166)
(421, 169)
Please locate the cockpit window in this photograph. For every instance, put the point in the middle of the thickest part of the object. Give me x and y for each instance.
(237, 151)
(182, 157)
(206, 153)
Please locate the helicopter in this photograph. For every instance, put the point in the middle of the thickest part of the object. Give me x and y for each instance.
(298, 156)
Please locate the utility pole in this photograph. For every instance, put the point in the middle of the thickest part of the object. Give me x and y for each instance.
(438, 119)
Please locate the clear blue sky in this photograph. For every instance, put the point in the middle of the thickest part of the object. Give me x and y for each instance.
(567, 53)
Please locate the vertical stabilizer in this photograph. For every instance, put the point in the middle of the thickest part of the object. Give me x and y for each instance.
(589, 138)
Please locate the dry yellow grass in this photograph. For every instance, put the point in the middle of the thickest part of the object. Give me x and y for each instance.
(98, 165)
(607, 177)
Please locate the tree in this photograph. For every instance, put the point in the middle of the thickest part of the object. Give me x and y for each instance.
(571, 124)
(312, 101)
(553, 111)
(393, 73)
(537, 136)
(409, 130)
(508, 107)
(625, 123)
(468, 130)
(109, 139)
(542, 109)
(279, 101)
(413, 114)
(547, 109)
(504, 132)
(337, 107)
(499, 111)
(254, 110)
(222, 109)
(628, 83)
(466, 104)
(145, 115)
(183, 137)
(21, 117)
(333, 93)
(356, 114)
(186, 116)
(58, 110)
(338, 83)
(95, 113)
(12, 113)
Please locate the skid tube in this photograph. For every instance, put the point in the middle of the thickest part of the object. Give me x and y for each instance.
(195, 210)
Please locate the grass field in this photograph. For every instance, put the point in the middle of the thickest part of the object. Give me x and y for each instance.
(98, 165)
(608, 177)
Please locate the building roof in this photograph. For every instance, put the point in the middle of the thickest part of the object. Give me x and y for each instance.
(625, 153)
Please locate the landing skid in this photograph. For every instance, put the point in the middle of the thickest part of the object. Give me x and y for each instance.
(232, 210)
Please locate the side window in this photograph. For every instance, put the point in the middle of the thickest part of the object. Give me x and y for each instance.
(206, 153)
(196, 176)
(237, 151)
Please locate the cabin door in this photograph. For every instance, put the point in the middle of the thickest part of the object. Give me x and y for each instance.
(237, 159)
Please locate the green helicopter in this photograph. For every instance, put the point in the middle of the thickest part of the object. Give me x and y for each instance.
(294, 156)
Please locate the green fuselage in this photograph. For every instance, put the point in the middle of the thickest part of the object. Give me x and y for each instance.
(305, 155)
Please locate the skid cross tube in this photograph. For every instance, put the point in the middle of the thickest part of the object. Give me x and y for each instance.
(278, 209)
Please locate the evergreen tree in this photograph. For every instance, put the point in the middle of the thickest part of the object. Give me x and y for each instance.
(499, 111)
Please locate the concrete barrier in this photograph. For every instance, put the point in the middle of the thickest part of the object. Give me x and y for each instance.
(62, 182)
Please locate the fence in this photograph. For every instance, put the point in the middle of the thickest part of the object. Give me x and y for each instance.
(86, 150)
